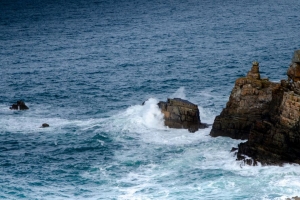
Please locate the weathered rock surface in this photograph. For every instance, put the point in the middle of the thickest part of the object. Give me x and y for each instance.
(20, 105)
(249, 101)
(179, 113)
(296, 58)
(272, 111)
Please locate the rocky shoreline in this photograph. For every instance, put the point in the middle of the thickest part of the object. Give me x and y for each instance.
(265, 113)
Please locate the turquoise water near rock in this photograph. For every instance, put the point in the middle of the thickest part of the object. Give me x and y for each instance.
(85, 67)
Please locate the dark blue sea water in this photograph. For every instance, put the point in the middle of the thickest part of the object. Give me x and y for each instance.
(85, 67)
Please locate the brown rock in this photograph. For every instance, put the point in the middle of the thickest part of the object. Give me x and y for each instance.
(296, 58)
(179, 113)
(248, 102)
(254, 72)
(268, 115)
(294, 72)
(276, 140)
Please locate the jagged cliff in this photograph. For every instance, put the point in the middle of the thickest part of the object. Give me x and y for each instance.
(265, 113)
(249, 101)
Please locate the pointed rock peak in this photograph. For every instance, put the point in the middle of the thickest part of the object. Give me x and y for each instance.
(296, 58)
(293, 71)
(254, 72)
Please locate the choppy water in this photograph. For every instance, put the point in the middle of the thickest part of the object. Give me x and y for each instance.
(85, 67)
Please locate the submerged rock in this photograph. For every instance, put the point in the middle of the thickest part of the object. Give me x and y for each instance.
(179, 113)
(20, 105)
(268, 115)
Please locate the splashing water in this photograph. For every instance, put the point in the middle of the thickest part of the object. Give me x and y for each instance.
(180, 93)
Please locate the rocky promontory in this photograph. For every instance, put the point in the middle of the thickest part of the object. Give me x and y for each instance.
(179, 113)
(249, 101)
(265, 113)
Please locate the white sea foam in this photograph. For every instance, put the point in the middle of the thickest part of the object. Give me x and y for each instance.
(138, 118)
(189, 163)
(30, 121)
(200, 154)
(146, 122)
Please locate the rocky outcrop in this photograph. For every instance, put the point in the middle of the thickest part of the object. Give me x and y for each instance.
(273, 114)
(249, 101)
(179, 113)
(276, 140)
(20, 105)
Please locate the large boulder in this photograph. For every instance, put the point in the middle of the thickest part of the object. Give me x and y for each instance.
(20, 105)
(179, 113)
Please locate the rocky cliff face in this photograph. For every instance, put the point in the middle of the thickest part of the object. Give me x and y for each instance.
(179, 113)
(249, 101)
(267, 114)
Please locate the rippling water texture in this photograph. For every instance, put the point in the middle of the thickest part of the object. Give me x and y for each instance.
(85, 67)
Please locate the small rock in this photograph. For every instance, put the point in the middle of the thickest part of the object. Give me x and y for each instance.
(44, 125)
(254, 72)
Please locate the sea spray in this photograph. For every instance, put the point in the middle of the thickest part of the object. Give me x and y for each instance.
(180, 93)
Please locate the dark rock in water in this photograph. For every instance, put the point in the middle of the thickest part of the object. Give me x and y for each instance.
(20, 105)
(179, 113)
(44, 125)
(268, 115)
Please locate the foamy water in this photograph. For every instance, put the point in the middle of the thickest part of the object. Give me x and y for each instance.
(85, 67)
(157, 162)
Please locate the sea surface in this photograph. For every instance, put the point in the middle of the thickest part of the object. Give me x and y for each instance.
(86, 66)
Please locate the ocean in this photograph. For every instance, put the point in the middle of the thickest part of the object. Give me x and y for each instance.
(86, 66)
